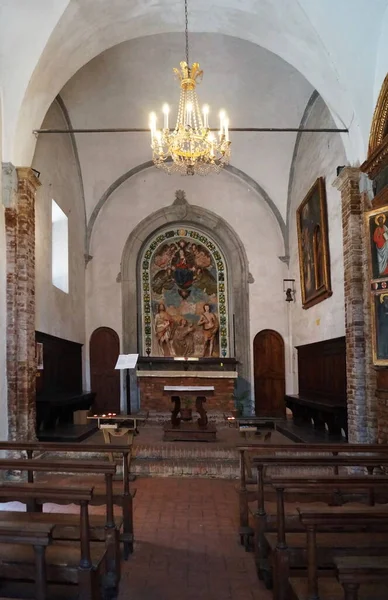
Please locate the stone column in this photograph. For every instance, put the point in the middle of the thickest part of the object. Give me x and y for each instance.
(353, 240)
(20, 254)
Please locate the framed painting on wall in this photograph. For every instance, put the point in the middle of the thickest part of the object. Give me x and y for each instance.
(377, 223)
(313, 244)
(380, 328)
(377, 226)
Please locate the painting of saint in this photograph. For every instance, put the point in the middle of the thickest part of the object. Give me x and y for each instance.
(313, 242)
(184, 289)
(380, 329)
(163, 330)
(379, 243)
(183, 340)
(209, 322)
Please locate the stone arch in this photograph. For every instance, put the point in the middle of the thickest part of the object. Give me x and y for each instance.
(237, 263)
(379, 128)
(148, 165)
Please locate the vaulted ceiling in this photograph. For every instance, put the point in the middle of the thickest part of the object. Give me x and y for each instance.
(340, 48)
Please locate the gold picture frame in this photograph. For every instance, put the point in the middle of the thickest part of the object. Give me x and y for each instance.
(313, 245)
(376, 222)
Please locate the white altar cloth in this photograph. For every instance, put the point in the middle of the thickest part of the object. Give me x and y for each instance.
(189, 388)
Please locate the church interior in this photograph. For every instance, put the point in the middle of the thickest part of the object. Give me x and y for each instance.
(194, 299)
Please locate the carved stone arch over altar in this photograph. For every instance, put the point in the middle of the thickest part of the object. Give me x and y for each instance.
(182, 215)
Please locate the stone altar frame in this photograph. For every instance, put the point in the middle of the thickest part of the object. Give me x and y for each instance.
(181, 212)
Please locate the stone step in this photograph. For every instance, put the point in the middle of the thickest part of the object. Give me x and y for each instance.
(203, 451)
(186, 467)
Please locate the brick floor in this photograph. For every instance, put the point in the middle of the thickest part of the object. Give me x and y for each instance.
(186, 544)
(187, 547)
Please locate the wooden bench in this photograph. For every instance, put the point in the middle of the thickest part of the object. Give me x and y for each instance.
(354, 571)
(123, 498)
(85, 565)
(289, 551)
(327, 588)
(109, 533)
(247, 490)
(36, 535)
(265, 522)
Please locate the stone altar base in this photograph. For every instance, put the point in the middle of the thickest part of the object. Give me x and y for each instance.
(189, 432)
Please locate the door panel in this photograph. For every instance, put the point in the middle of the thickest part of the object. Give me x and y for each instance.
(105, 380)
(269, 374)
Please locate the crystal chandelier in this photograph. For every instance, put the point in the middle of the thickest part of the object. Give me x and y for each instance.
(191, 148)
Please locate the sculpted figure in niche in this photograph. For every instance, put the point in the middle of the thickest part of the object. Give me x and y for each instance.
(380, 238)
(209, 322)
(163, 331)
(183, 340)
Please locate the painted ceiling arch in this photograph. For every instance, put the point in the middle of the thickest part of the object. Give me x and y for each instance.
(302, 32)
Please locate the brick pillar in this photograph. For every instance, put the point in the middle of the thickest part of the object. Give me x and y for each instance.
(21, 368)
(353, 240)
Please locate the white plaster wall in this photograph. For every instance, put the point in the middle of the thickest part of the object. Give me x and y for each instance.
(58, 313)
(123, 85)
(222, 194)
(319, 155)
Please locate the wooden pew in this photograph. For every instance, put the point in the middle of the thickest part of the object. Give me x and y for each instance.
(247, 491)
(36, 535)
(288, 552)
(108, 534)
(123, 499)
(265, 523)
(327, 588)
(84, 566)
(356, 571)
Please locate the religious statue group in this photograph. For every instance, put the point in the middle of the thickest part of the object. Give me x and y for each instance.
(183, 273)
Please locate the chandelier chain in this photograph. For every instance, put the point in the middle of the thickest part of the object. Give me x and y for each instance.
(187, 34)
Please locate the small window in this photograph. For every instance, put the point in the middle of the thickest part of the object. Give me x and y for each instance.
(60, 248)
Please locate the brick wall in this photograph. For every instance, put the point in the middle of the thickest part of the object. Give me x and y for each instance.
(21, 371)
(353, 240)
(152, 396)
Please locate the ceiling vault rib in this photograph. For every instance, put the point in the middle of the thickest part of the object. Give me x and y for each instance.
(240, 129)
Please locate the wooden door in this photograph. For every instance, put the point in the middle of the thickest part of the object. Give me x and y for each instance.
(105, 380)
(269, 373)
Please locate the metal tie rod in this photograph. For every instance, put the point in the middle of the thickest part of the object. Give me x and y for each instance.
(241, 129)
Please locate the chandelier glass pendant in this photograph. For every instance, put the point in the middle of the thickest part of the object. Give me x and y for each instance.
(191, 148)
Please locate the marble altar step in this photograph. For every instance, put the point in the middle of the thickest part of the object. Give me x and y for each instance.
(159, 418)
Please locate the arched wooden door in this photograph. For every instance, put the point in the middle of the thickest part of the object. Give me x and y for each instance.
(104, 349)
(269, 373)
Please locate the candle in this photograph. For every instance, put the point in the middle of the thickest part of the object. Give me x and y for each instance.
(211, 139)
(166, 110)
(226, 129)
(222, 117)
(205, 112)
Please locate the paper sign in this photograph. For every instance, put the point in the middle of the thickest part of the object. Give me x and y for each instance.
(126, 361)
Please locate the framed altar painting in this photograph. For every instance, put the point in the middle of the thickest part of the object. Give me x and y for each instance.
(377, 226)
(313, 244)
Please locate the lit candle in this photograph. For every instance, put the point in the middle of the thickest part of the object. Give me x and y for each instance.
(222, 117)
(226, 129)
(153, 125)
(189, 110)
(211, 139)
(166, 110)
(205, 112)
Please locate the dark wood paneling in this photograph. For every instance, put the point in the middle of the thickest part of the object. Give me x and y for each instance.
(62, 365)
(322, 369)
